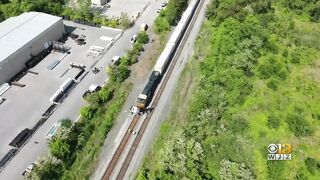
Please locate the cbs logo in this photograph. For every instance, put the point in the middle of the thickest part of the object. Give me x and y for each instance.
(280, 148)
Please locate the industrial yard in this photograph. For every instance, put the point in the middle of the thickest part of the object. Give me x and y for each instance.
(24, 106)
(43, 80)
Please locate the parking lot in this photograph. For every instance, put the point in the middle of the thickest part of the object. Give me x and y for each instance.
(131, 7)
(24, 106)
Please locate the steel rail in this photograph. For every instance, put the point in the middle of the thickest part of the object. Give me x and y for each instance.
(146, 121)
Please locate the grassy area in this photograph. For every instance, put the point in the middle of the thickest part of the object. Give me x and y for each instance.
(256, 78)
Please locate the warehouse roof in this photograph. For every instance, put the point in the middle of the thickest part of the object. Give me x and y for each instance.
(17, 31)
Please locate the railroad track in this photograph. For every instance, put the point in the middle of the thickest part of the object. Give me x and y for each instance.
(146, 121)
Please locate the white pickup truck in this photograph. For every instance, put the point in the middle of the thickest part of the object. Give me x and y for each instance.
(92, 88)
(28, 169)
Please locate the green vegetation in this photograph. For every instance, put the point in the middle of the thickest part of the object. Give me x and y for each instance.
(83, 13)
(121, 72)
(255, 81)
(75, 148)
(170, 15)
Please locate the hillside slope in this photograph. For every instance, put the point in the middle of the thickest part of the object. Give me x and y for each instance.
(254, 80)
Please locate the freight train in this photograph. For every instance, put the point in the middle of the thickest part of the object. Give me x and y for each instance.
(167, 54)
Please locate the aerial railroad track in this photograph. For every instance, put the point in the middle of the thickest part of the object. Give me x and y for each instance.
(124, 142)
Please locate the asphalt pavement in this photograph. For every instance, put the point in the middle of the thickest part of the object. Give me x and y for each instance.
(130, 7)
(71, 106)
(25, 105)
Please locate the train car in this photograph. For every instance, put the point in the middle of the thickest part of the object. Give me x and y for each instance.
(176, 35)
(175, 38)
(144, 97)
(166, 56)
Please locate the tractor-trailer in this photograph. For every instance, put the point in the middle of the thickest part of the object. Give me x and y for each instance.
(56, 96)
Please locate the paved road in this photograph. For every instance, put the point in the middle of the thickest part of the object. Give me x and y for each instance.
(71, 106)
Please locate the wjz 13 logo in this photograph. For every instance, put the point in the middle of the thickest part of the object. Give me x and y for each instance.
(279, 152)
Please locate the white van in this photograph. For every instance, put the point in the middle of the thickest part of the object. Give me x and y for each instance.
(144, 27)
(116, 60)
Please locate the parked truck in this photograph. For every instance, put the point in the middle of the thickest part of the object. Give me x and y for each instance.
(92, 88)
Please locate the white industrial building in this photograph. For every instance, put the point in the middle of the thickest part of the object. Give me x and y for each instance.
(24, 36)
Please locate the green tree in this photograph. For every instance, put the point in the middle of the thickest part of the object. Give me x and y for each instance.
(60, 148)
(125, 22)
(87, 112)
(66, 123)
(161, 25)
(232, 170)
(48, 167)
(143, 37)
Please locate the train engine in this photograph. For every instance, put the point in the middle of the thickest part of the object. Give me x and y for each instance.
(148, 91)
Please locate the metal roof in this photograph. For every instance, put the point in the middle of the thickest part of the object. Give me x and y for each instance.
(17, 31)
(164, 57)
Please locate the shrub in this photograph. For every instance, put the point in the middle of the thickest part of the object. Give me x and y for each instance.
(275, 169)
(143, 37)
(161, 25)
(93, 99)
(122, 73)
(299, 125)
(60, 148)
(273, 121)
(312, 165)
(125, 21)
(238, 125)
(118, 73)
(272, 84)
(49, 167)
(105, 95)
(67, 123)
(87, 112)
(295, 58)
(272, 66)
(302, 174)
(233, 170)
